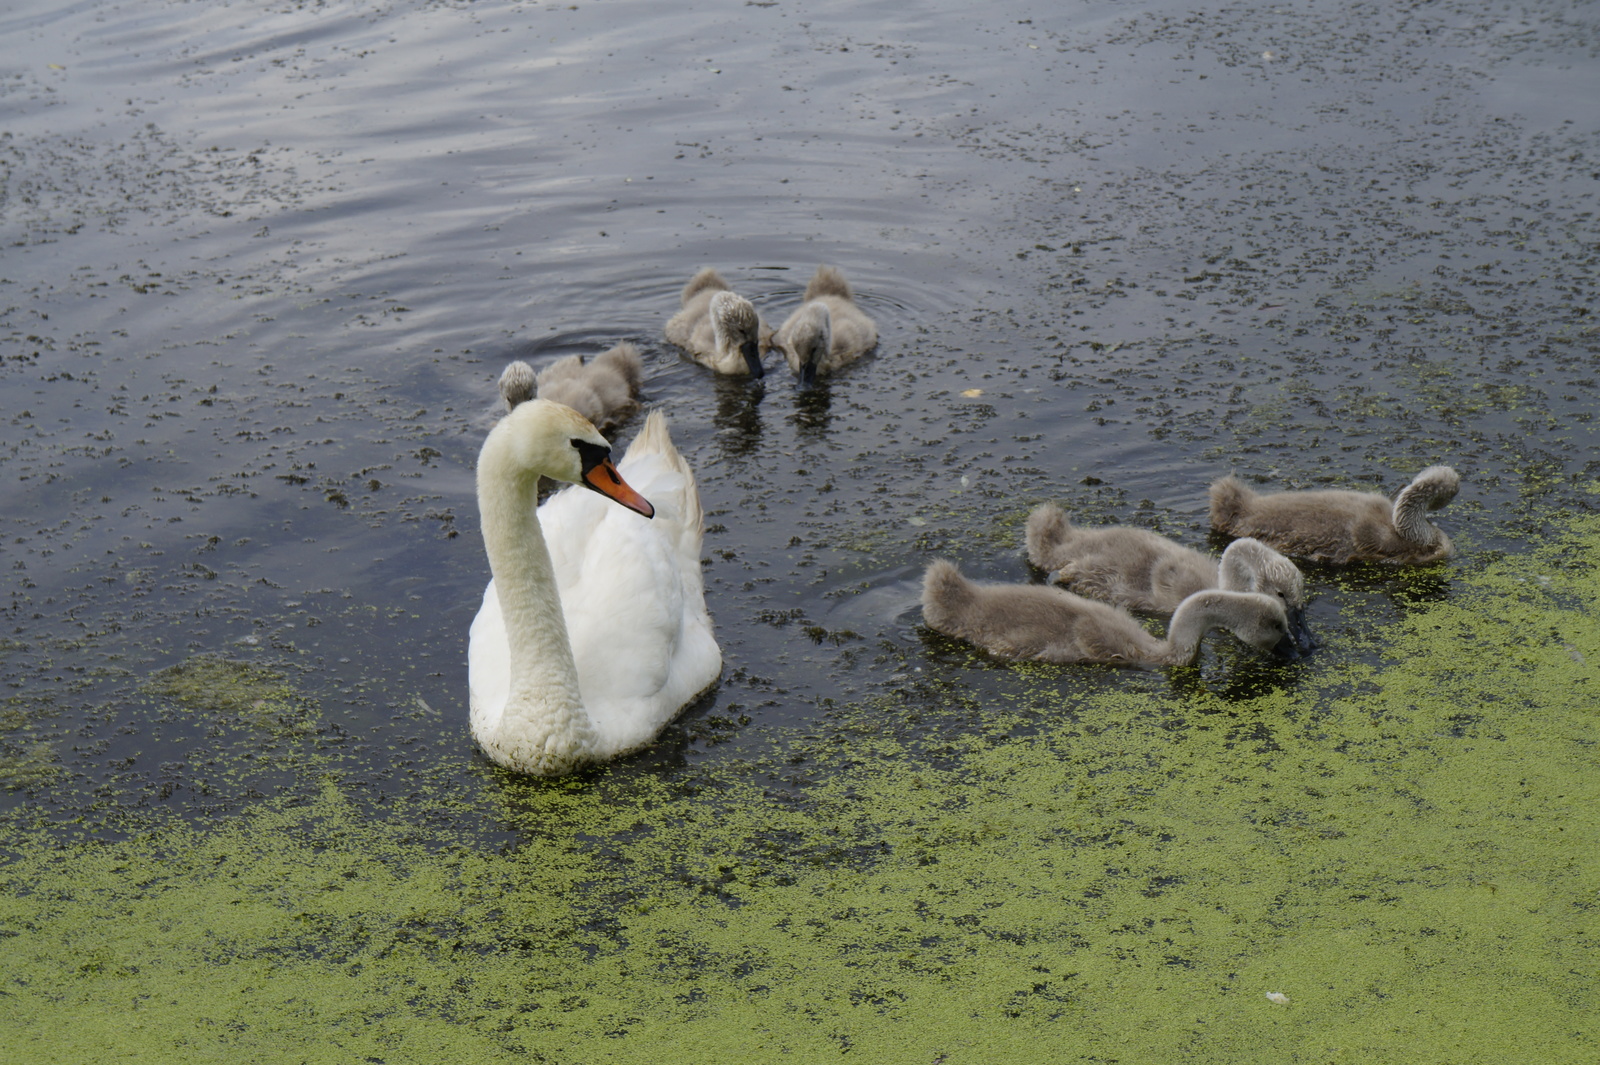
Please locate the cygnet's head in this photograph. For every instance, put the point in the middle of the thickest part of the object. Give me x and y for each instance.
(811, 338)
(737, 327)
(517, 383)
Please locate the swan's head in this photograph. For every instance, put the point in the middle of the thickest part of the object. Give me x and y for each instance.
(811, 338)
(737, 327)
(516, 384)
(541, 438)
(1250, 565)
(1259, 620)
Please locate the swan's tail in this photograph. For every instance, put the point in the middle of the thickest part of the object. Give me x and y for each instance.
(828, 281)
(516, 384)
(1229, 501)
(707, 278)
(945, 592)
(654, 439)
(625, 361)
(1048, 529)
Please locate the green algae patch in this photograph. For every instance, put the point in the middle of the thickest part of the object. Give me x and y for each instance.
(229, 690)
(1013, 864)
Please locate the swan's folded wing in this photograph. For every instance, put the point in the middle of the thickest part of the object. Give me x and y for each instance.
(633, 598)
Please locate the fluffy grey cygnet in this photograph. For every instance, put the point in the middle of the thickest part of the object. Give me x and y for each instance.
(718, 327)
(1340, 526)
(1139, 570)
(605, 390)
(828, 330)
(1033, 621)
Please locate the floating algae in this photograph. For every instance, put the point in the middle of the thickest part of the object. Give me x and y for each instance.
(235, 692)
(1407, 851)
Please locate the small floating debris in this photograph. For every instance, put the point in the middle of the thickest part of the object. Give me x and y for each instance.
(1279, 997)
(972, 392)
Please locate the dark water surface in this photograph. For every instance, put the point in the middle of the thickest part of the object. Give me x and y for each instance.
(263, 262)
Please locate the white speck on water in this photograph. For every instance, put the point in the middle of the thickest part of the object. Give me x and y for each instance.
(1279, 997)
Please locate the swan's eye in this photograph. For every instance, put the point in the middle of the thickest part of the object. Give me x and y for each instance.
(590, 454)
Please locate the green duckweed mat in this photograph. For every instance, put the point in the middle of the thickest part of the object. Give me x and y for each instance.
(1404, 857)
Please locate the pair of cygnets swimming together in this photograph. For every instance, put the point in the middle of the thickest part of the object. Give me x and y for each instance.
(1253, 592)
(720, 328)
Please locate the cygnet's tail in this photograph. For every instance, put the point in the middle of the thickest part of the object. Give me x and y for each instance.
(1048, 529)
(1229, 501)
(707, 278)
(945, 594)
(828, 281)
(654, 439)
(625, 361)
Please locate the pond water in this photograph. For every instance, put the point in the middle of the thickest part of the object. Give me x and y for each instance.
(263, 263)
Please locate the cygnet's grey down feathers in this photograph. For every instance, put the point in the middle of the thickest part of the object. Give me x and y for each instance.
(604, 390)
(828, 330)
(1340, 526)
(1032, 621)
(718, 327)
(1138, 570)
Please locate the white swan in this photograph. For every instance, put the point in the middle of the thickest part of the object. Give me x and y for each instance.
(593, 633)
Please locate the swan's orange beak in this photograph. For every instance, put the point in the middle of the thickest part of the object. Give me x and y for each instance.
(604, 478)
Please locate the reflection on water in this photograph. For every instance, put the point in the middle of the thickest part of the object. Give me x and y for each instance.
(738, 413)
(810, 416)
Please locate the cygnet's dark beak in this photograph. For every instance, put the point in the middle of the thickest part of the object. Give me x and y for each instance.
(1286, 648)
(1302, 634)
(752, 358)
(808, 373)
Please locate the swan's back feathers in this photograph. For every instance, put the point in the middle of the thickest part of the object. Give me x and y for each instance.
(625, 361)
(1229, 501)
(603, 390)
(633, 593)
(828, 281)
(1341, 526)
(1032, 621)
(707, 280)
(1131, 568)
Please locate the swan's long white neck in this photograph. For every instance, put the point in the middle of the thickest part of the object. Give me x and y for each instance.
(543, 727)
(1189, 624)
(1197, 615)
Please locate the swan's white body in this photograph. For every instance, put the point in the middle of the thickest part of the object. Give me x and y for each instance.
(594, 632)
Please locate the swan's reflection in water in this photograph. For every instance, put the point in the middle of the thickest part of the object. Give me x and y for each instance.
(738, 414)
(812, 415)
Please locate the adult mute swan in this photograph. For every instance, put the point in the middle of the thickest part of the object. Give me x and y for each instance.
(1036, 621)
(1138, 570)
(1338, 526)
(593, 633)
(718, 327)
(828, 330)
